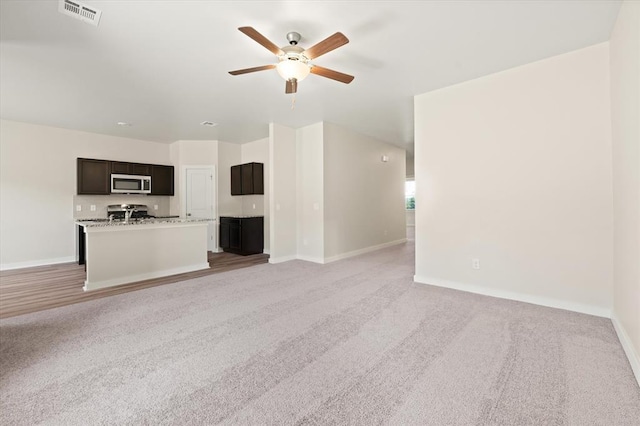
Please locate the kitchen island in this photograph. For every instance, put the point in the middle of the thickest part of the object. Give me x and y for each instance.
(122, 252)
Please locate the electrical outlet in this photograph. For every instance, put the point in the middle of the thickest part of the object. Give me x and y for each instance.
(155, 207)
(475, 263)
(78, 208)
(93, 207)
(254, 206)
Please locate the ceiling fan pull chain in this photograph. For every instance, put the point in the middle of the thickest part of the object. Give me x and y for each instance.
(293, 101)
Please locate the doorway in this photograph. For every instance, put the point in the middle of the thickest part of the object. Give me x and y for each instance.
(200, 199)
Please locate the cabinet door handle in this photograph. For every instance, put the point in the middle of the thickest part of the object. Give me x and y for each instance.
(188, 214)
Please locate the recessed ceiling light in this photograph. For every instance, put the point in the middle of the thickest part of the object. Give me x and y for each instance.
(123, 124)
(208, 123)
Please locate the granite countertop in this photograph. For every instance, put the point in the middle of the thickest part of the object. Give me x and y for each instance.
(103, 223)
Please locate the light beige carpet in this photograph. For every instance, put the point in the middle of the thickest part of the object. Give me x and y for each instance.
(351, 342)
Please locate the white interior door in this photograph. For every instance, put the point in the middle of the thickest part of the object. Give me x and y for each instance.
(200, 198)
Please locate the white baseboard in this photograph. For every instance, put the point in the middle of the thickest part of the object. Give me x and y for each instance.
(520, 297)
(337, 257)
(311, 259)
(282, 259)
(95, 285)
(627, 345)
(364, 250)
(32, 263)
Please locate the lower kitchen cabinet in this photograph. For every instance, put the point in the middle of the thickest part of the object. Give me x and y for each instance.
(242, 235)
(82, 246)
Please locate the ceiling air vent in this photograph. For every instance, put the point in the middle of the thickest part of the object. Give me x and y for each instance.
(80, 11)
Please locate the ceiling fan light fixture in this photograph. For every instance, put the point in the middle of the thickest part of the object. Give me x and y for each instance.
(289, 69)
(294, 62)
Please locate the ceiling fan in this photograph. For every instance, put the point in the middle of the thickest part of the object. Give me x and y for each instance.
(294, 63)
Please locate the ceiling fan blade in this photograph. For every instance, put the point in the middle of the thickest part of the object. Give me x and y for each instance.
(327, 45)
(291, 86)
(334, 75)
(254, 69)
(249, 31)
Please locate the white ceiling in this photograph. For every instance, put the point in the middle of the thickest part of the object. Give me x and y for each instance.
(163, 65)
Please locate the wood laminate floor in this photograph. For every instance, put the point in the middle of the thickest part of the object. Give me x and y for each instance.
(45, 287)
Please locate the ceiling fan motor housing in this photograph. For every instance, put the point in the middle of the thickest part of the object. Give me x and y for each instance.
(293, 53)
(293, 38)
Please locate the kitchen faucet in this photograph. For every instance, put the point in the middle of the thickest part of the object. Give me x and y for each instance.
(127, 214)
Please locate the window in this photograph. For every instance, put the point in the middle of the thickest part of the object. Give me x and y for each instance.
(410, 194)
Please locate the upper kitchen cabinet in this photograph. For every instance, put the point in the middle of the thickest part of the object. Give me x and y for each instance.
(247, 179)
(93, 177)
(120, 167)
(236, 180)
(161, 180)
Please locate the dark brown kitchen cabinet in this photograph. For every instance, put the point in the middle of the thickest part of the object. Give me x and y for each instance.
(120, 167)
(141, 169)
(236, 180)
(252, 178)
(161, 180)
(247, 179)
(93, 177)
(242, 235)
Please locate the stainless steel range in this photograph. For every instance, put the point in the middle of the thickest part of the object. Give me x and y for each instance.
(134, 212)
(128, 211)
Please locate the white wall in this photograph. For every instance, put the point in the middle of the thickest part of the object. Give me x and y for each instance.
(625, 118)
(515, 169)
(410, 166)
(38, 183)
(364, 203)
(189, 153)
(258, 205)
(310, 192)
(229, 154)
(411, 217)
(282, 189)
(331, 195)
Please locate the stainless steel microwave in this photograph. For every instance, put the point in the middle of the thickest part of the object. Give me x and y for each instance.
(130, 184)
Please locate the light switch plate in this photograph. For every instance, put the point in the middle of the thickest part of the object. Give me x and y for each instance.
(78, 208)
(93, 207)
